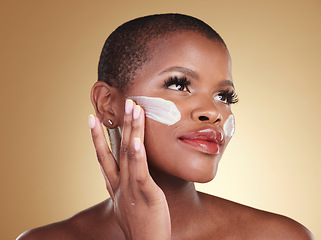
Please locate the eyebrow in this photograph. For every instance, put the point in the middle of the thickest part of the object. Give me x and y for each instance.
(226, 83)
(184, 70)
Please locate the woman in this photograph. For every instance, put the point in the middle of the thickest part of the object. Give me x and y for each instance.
(176, 71)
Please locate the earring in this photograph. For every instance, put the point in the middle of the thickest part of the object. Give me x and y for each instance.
(110, 122)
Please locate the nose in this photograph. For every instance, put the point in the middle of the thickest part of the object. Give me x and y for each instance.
(206, 112)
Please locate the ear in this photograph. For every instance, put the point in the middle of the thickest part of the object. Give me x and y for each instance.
(108, 104)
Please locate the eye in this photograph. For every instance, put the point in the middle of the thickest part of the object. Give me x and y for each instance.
(179, 84)
(227, 97)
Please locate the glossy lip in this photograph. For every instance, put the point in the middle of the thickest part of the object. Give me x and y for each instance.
(207, 140)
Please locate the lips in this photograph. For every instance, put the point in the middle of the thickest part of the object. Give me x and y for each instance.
(206, 140)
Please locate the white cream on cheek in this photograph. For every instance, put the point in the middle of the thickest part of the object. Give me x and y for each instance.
(159, 109)
(229, 126)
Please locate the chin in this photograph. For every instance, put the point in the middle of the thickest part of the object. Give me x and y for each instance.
(205, 180)
(201, 176)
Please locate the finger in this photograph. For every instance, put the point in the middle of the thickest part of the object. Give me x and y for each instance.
(137, 134)
(145, 182)
(124, 148)
(142, 125)
(104, 155)
(140, 122)
(108, 185)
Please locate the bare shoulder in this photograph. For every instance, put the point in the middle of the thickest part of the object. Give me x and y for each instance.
(96, 222)
(268, 225)
(246, 222)
(58, 230)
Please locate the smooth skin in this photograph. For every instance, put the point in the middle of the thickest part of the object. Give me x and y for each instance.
(151, 180)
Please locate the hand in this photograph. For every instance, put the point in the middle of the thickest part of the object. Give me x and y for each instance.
(140, 205)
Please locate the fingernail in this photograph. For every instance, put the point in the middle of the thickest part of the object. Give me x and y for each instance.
(92, 121)
(136, 112)
(128, 106)
(137, 143)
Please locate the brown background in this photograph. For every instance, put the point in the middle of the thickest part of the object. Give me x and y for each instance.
(49, 54)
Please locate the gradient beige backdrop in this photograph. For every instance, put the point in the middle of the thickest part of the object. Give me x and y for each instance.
(49, 55)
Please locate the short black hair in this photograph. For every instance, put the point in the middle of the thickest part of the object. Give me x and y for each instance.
(126, 49)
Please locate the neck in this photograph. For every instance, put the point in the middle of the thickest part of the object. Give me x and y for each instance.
(183, 200)
(181, 195)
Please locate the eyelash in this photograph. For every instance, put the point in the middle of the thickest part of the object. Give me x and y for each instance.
(182, 81)
(228, 97)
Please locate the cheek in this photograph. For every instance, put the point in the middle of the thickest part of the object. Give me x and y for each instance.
(158, 109)
(229, 126)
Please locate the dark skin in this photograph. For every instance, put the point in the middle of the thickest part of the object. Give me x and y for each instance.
(166, 204)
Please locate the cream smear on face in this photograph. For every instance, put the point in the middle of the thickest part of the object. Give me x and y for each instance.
(229, 126)
(159, 109)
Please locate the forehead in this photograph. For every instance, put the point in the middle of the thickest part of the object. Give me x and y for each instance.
(189, 50)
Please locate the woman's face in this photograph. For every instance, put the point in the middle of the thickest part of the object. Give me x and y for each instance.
(194, 73)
